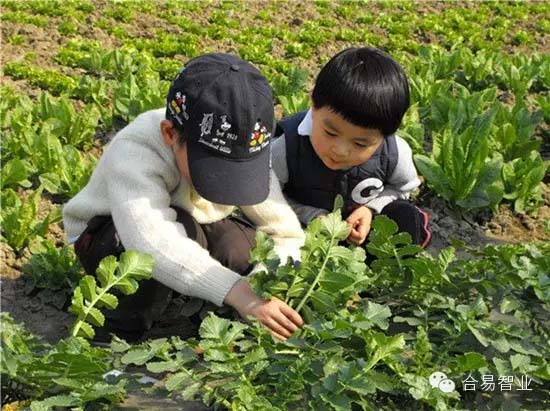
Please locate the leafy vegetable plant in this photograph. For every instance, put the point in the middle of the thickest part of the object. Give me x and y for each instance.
(460, 168)
(89, 295)
(72, 128)
(522, 182)
(415, 314)
(514, 131)
(14, 173)
(72, 373)
(294, 104)
(68, 374)
(53, 268)
(20, 221)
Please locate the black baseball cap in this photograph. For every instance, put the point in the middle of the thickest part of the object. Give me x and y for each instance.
(223, 107)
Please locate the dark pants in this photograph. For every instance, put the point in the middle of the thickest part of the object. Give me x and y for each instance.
(410, 219)
(229, 241)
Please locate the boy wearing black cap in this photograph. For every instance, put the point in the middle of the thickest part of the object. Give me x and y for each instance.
(167, 185)
(346, 144)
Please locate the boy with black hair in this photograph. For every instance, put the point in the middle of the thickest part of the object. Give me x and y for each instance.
(346, 144)
(167, 185)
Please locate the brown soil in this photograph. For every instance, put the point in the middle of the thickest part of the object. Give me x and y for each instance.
(10, 267)
(483, 228)
(38, 314)
(518, 228)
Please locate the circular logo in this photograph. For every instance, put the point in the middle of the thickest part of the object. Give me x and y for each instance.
(373, 186)
(446, 385)
(436, 378)
(439, 380)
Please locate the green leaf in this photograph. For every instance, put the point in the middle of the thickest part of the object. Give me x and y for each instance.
(384, 226)
(85, 331)
(519, 362)
(361, 385)
(118, 345)
(88, 287)
(322, 301)
(95, 317)
(137, 356)
(334, 282)
(56, 401)
(434, 175)
(162, 366)
(378, 315)
(338, 203)
(470, 361)
(14, 173)
(479, 336)
(339, 402)
(88, 296)
(106, 271)
(335, 227)
(136, 265)
(213, 327)
(108, 301)
(176, 381)
(191, 391)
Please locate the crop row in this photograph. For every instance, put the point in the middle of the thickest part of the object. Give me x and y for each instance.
(418, 314)
(481, 26)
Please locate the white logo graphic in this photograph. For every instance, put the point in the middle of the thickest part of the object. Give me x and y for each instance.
(440, 380)
(376, 186)
(206, 124)
(225, 125)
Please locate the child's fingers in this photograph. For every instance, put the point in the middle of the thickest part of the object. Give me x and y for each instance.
(275, 327)
(354, 237)
(363, 230)
(352, 221)
(292, 315)
(285, 322)
(278, 336)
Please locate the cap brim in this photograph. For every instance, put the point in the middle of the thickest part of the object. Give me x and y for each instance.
(224, 181)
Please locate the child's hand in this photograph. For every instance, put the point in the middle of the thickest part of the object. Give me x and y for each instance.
(359, 221)
(275, 314)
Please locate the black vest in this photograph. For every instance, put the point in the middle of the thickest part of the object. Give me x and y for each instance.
(312, 183)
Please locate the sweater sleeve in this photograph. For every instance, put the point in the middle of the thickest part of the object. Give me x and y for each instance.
(305, 213)
(403, 180)
(140, 207)
(275, 217)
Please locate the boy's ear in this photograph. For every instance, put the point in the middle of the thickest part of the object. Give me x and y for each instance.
(169, 133)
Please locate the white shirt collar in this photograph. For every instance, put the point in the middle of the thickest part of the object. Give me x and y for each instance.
(304, 129)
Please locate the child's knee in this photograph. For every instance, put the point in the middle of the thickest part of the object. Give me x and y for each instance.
(232, 250)
(193, 229)
(410, 219)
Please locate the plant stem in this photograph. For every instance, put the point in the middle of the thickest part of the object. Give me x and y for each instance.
(296, 276)
(87, 309)
(398, 259)
(318, 276)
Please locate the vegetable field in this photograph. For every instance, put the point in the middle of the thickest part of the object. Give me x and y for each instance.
(462, 325)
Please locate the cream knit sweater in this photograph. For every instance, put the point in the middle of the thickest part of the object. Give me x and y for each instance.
(137, 180)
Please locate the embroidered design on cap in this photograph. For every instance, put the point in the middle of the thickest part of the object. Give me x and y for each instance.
(221, 132)
(222, 140)
(206, 124)
(178, 107)
(259, 138)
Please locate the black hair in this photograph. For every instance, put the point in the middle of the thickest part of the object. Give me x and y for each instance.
(181, 137)
(179, 130)
(366, 87)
